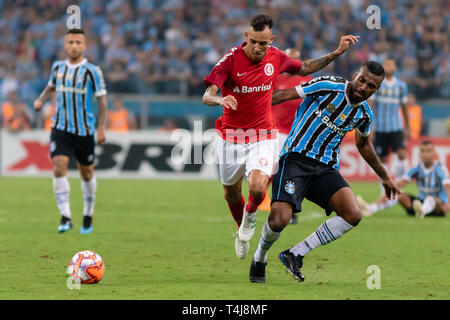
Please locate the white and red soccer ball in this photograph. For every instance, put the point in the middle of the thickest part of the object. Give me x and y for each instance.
(87, 266)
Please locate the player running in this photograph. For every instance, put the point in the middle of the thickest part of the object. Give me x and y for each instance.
(433, 182)
(283, 114)
(309, 163)
(248, 139)
(390, 130)
(73, 125)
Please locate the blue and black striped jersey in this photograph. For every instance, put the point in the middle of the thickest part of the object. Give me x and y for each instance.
(387, 106)
(430, 181)
(75, 85)
(323, 119)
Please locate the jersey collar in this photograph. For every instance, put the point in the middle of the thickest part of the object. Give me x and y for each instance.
(76, 64)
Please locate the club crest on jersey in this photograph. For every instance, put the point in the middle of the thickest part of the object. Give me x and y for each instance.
(268, 69)
(331, 108)
(289, 187)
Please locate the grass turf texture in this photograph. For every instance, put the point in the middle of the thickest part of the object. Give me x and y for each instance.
(173, 240)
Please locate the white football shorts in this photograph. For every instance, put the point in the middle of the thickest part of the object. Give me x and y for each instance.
(238, 159)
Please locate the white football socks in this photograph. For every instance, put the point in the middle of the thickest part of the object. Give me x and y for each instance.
(61, 189)
(89, 188)
(268, 237)
(327, 232)
(428, 205)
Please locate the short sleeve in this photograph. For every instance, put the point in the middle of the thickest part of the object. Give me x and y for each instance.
(364, 127)
(53, 75)
(404, 93)
(289, 65)
(412, 174)
(443, 174)
(221, 71)
(316, 85)
(99, 82)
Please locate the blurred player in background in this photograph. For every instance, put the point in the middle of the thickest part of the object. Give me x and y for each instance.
(283, 114)
(248, 139)
(75, 81)
(310, 160)
(390, 129)
(433, 182)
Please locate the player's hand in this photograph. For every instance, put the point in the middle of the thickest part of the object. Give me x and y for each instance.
(101, 137)
(345, 43)
(390, 188)
(229, 102)
(37, 104)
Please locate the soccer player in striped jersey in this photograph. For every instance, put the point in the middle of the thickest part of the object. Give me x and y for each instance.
(309, 163)
(390, 130)
(75, 82)
(433, 182)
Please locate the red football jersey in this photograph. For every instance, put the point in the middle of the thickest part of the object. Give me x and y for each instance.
(251, 83)
(283, 114)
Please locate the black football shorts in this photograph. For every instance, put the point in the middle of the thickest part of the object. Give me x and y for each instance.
(68, 144)
(301, 177)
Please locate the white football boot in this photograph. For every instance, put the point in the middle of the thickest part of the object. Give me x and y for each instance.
(418, 209)
(247, 228)
(242, 247)
(364, 206)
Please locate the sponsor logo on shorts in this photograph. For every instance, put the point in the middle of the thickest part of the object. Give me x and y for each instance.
(289, 187)
(90, 158)
(52, 146)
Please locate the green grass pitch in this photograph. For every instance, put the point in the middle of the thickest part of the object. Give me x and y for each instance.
(173, 240)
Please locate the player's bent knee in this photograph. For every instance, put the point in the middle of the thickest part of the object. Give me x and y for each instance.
(280, 216)
(352, 216)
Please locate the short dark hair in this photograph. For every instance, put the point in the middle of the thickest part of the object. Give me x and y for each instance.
(374, 68)
(75, 31)
(260, 22)
(427, 142)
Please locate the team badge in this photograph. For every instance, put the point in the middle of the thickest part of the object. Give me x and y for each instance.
(331, 108)
(289, 187)
(268, 69)
(263, 161)
(52, 146)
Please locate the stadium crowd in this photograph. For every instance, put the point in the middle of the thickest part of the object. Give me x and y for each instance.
(168, 46)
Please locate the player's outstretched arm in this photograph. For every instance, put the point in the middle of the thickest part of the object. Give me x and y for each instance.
(39, 102)
(314, 65)
(367, 151)
(280, 96)
(210, 98)
(102, 109)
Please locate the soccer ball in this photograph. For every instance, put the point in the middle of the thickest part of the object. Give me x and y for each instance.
(87, 266)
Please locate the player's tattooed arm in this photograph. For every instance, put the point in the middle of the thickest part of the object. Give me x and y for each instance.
(210, 98)
(365, 148)
(280, 96)
(102, 110)
(314, 65)
(38, 103)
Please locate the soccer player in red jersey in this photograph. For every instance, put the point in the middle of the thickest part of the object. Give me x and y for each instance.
(283, 114)
(248, 142)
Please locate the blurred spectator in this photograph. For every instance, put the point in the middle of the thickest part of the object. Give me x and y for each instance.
(168, 126)
(414, 116)
(119, 118)
(16, 115)
(158, 45)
